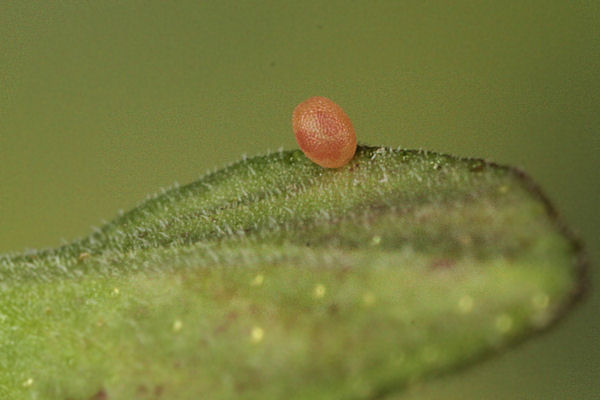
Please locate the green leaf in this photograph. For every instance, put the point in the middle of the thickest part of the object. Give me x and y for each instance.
(275, 278)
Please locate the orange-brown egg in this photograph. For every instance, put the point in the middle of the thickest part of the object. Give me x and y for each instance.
(324, 132)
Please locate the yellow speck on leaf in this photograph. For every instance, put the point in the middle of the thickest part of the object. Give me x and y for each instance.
(319, 291)
(257, 334)
(177, 325)
(258, 280)
(465, 304)
(369, 299)
(504, 323)
(540, 301)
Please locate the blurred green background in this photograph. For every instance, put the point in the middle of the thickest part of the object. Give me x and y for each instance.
(102, 103)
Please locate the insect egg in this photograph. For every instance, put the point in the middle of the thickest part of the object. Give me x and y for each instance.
(324, 132)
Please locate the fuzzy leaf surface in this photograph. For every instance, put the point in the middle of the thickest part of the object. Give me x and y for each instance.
(275, 278)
